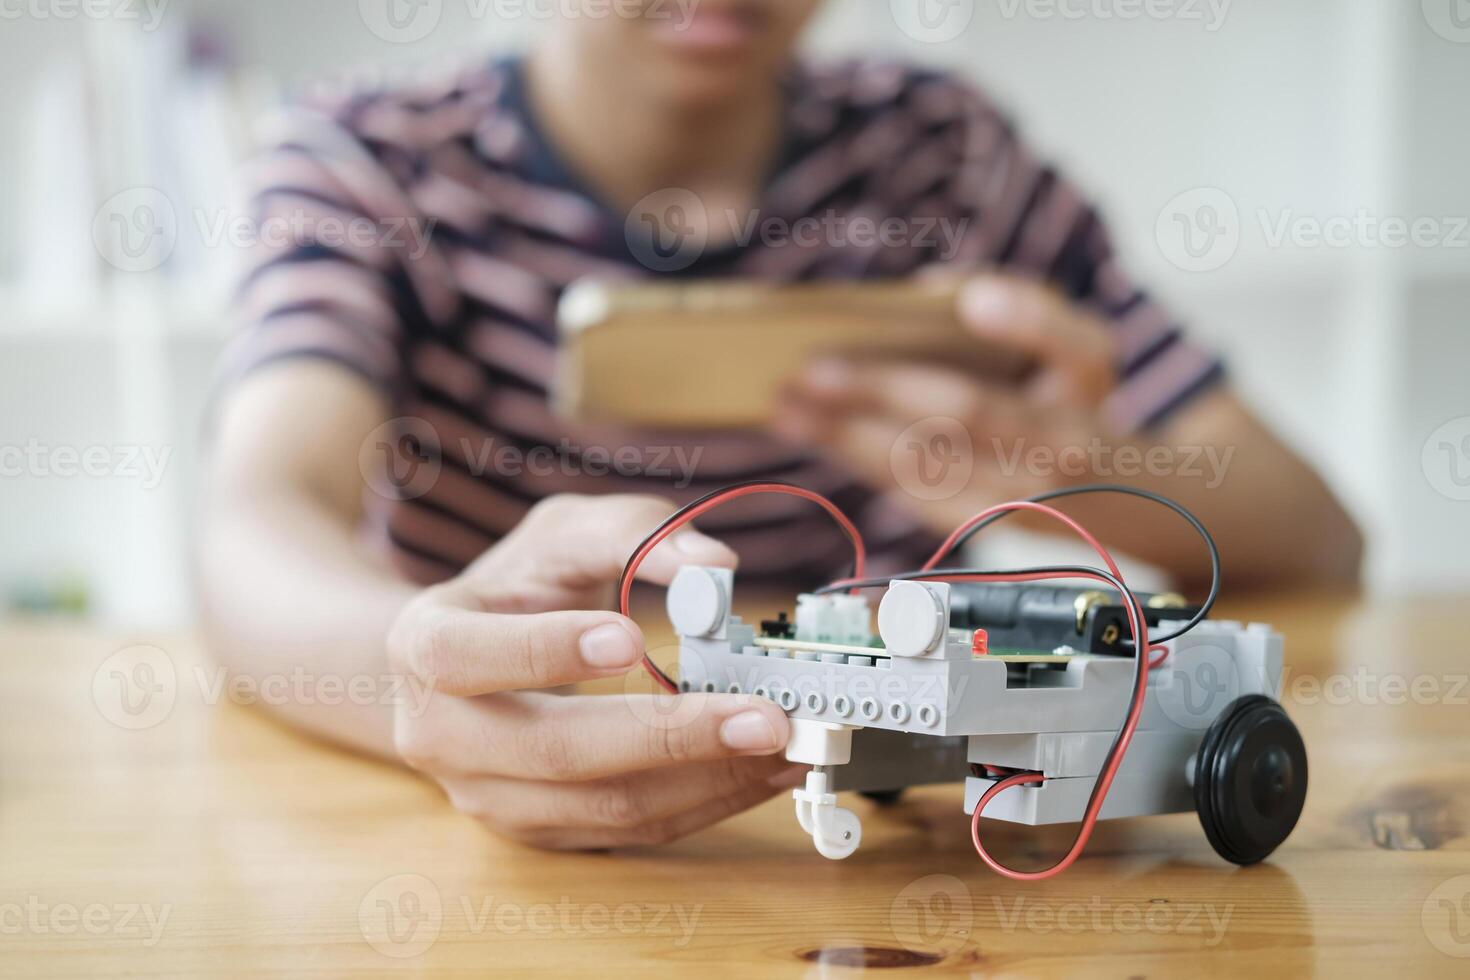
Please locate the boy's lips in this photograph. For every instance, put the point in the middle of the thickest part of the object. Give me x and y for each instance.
(714, 30)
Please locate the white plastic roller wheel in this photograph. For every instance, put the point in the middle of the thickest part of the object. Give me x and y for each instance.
(836, 831)
(839, 834)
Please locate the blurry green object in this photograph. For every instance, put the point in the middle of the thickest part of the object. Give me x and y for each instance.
(66, 596)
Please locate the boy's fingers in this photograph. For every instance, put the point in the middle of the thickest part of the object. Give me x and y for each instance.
(466, 653)
(905, 391)
(622, 802)
(574, 538)
(596, 737)
(1075, 352)
(672, 828)
(1019, 314)
(586, 838)
(572, 739)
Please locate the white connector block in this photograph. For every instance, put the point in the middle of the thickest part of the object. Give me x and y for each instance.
(819, 743)
(833, 618)
(853, 620)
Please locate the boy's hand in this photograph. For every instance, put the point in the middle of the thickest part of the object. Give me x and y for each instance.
(581, 771)
(913, 428)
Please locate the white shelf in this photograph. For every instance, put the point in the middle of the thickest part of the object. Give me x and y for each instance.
(184, 316)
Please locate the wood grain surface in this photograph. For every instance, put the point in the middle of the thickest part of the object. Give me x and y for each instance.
(150, 824)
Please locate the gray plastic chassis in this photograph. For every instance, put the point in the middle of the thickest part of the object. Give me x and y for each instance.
(924, 707)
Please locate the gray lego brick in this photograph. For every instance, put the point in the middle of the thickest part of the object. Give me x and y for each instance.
(1133, 794)
(1061, 754)
(883, 760)
(1208, 669)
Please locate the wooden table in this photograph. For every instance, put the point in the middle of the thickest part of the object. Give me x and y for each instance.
(209, 840)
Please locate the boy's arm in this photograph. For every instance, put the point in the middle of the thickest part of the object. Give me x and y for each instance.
(285, 583)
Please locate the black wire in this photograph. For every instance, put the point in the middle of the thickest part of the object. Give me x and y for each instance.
(1080, 571)
(1194, 522)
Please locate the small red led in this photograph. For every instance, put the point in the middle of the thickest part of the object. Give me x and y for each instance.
(980, 643)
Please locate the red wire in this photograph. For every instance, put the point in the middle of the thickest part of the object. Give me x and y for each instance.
(1082, 532)
(625, 588)
(1110, 766)
(1139, 628)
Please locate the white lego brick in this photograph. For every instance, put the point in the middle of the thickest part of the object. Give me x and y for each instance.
(698, 601)
(816, 743)
(913, 618)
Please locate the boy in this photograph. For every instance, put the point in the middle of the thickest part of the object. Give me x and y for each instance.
(490, 581)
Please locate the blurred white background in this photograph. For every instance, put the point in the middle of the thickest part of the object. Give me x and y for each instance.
(1346, 116)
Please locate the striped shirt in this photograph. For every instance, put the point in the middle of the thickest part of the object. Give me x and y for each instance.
(449, 306)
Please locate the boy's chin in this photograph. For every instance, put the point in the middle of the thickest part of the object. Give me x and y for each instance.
(701, 85)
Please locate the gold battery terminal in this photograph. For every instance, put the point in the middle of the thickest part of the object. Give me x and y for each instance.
(1085, 603)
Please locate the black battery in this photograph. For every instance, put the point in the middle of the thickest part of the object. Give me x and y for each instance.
(1041, 618)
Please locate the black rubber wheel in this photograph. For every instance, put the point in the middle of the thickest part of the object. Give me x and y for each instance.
(883, 797)
(1250, 779)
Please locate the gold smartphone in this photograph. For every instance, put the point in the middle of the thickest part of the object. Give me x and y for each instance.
(716, 354)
